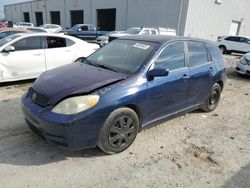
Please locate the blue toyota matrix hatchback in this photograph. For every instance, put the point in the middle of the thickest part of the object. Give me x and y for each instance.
(132, 83)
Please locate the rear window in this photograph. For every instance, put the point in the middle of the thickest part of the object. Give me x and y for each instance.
(215, 52)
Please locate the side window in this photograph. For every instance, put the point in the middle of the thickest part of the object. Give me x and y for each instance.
(233, 39)
(56, 42)
(145, 32)
(31, 43)
(244, 40)
(153, 32)
(172, 57)
(215, 52)
(84, 28)
(197, 54)
(69, 42)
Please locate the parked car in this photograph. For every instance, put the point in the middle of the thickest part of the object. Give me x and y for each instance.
(5, 32)
(132, 83)
(36, 29)
(85, 32)
(143, 31)
(229, 44)
(51, 28)
(26, 56)
(243, 65)
(104, 39)
(23, 24)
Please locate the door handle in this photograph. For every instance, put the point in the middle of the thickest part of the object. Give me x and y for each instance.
(185, 76)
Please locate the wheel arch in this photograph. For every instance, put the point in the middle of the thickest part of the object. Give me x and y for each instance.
(138, 111)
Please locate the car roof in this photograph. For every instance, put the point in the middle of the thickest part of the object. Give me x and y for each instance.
(162, 39)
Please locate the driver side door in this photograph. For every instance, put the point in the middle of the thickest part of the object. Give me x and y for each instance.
(167, 95)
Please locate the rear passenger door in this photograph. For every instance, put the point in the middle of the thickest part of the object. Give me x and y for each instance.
(201, 70)
(59, 51)
(166, 95)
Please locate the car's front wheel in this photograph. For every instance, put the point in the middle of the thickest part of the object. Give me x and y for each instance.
(213, 98)
(119, 131)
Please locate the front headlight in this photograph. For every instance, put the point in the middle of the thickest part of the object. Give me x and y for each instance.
(76, 105)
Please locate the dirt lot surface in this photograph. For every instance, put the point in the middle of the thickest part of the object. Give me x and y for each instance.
(195, 150)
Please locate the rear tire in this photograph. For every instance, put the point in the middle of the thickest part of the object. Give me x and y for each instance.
(213, 98)
(119, 131)
(223, 49)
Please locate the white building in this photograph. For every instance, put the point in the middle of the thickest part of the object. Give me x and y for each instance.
(198, 18)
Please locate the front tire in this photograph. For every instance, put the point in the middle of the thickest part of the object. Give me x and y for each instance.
(213, 98)
(119, 131)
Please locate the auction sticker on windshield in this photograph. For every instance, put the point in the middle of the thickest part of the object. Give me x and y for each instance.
(141, 46)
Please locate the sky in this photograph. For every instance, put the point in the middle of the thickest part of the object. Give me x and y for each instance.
(6, 2)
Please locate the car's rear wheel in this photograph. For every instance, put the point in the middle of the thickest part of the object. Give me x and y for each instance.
(119, 131)
(213, 98)
(223, 49)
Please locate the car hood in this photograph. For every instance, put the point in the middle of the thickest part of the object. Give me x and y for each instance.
(76, 78)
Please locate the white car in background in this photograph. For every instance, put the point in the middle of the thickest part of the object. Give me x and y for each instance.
(229, 44)
(26, 56)
(243, 65)
(103, 40)
(23, 24)
(51, 28)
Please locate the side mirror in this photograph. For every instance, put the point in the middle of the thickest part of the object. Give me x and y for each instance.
(79, 29)
(9, 49)
(157, 72)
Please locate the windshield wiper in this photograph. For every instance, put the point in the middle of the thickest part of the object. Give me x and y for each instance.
(105, 67)
(100, 65)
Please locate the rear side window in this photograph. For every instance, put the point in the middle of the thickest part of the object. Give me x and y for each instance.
(215, 52)
(56, 42)
(153, 32)
(69, 42)
(31, 43)
(197, 54)
(172, 57)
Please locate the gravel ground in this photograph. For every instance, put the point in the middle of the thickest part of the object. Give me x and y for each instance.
(195, 150)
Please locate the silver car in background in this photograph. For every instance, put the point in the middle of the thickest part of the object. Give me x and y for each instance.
(243, 65)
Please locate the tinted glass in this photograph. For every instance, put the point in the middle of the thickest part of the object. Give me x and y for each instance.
(153, 32)
(233, 39)
(215, 52)
(84, 28)
(197, 54)
(125, 56)
(56, 42)
(172, 57)
(245, 40)
(31, 43)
